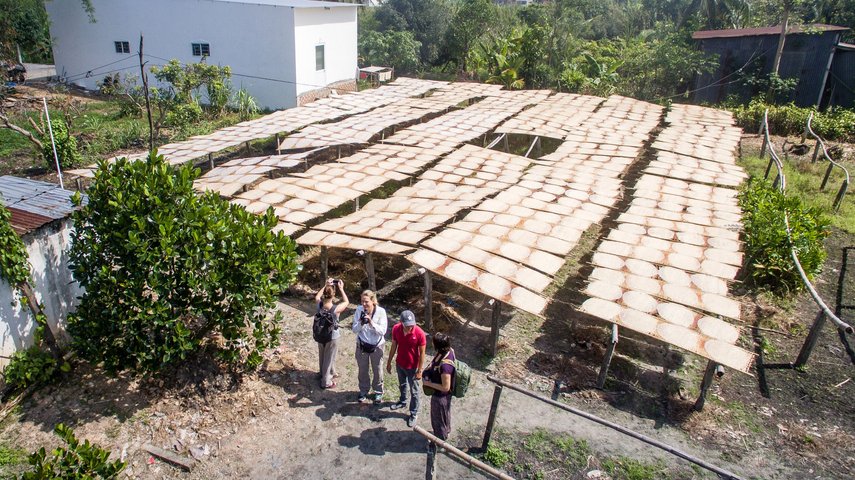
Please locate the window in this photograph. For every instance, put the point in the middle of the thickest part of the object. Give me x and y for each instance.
(319, 57)
(201, 50)
(122, 47)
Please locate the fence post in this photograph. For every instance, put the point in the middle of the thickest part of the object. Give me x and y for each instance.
(324, 264)
(810, 341)
(369, 267)
(705, 385)
(428, 297)
(607, 359)
(491, 420)
(494, 328)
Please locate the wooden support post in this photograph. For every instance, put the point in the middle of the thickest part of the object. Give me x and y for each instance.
(339, 153)
(325, 273)
(428, 294)
(494, 327)
(491, 419)
(369, 268)
(810, 341)
(248, 150)
(607, 359)
(277, 142)
(763, 143)
(705, 385)
(79, 183)
(430, 465)
(507, 144)
(539, 147)
(356, 204)
(211, 160)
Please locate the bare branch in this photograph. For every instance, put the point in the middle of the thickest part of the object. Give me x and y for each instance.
(20, 130)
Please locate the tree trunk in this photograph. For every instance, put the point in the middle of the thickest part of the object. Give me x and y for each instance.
(781, 40)
(33, 303)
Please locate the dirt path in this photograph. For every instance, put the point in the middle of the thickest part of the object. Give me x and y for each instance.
(278, 424)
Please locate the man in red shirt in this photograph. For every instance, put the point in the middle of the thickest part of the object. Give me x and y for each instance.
(408, 342)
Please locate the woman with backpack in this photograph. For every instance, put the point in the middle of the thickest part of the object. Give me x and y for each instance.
(439, 376)
(325, 328)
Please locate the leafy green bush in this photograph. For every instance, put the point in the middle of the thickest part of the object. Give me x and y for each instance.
(497, 455)
(14, 262)
(75, 461)
(165, 269)
(767, 248)
(66, 146)
(29, 367)
(835, 124)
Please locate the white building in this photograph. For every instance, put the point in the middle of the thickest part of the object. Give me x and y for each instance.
(284, 52)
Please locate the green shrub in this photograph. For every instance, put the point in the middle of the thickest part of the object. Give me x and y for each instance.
(836, 124)
(29, 367)
(75, 461)
(497, 455)
(166, 269)
(767, 248)
(66, 146)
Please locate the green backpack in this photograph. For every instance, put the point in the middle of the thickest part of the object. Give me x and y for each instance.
(462, 377)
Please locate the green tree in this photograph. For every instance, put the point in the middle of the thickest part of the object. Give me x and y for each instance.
(426, 19)
(470, 21)
(165, 269)
(392, 48)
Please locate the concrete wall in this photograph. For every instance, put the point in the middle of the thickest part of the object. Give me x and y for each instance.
(335, 29)
(254, 40)
(53, 285)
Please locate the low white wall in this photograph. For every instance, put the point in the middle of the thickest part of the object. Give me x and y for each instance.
(53, 284)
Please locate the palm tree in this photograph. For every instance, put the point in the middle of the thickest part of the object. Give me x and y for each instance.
(718, 13)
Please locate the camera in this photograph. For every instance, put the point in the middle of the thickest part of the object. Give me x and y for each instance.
(365, 318)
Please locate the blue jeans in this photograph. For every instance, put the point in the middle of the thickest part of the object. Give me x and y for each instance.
(407, 378)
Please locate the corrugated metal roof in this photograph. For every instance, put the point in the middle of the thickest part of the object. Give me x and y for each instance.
(776, 30)
(25, 222)
(34, 203)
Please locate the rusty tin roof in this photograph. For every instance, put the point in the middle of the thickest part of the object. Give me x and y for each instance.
(34, 204)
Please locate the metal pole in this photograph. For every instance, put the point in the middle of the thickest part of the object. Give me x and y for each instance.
(463, 456)
(491, 419)
(494, 328)
(53, 144)
(811, 340)
(607, 359)
(638, 436)
(705, 385)
(211, 160)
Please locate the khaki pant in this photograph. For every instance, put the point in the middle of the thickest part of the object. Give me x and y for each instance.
(326, 361)
(363, 361)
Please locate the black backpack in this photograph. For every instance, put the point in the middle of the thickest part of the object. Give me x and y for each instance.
(323, 326)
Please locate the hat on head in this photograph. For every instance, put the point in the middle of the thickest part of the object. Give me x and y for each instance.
(407, 318)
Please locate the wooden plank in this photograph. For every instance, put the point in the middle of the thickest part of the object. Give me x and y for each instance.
(183, 463)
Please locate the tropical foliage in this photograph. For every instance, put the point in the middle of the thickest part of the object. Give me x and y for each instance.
(167, 270)
(76, 460)
(638, 48)
(769, 263)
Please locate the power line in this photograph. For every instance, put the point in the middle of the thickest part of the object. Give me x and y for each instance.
(90, 72)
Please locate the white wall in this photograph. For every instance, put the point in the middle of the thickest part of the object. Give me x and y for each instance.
(255, 40)
(338, 35)
(53, 285)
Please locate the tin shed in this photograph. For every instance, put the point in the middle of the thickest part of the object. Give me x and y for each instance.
(742, 53)
(41, 217)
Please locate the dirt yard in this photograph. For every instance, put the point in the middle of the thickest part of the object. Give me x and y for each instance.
(277, 424)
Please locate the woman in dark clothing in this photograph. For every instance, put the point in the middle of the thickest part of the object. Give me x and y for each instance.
(325, 299)
(439, 376)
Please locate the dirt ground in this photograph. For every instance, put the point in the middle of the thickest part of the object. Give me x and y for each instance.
(276, 423)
